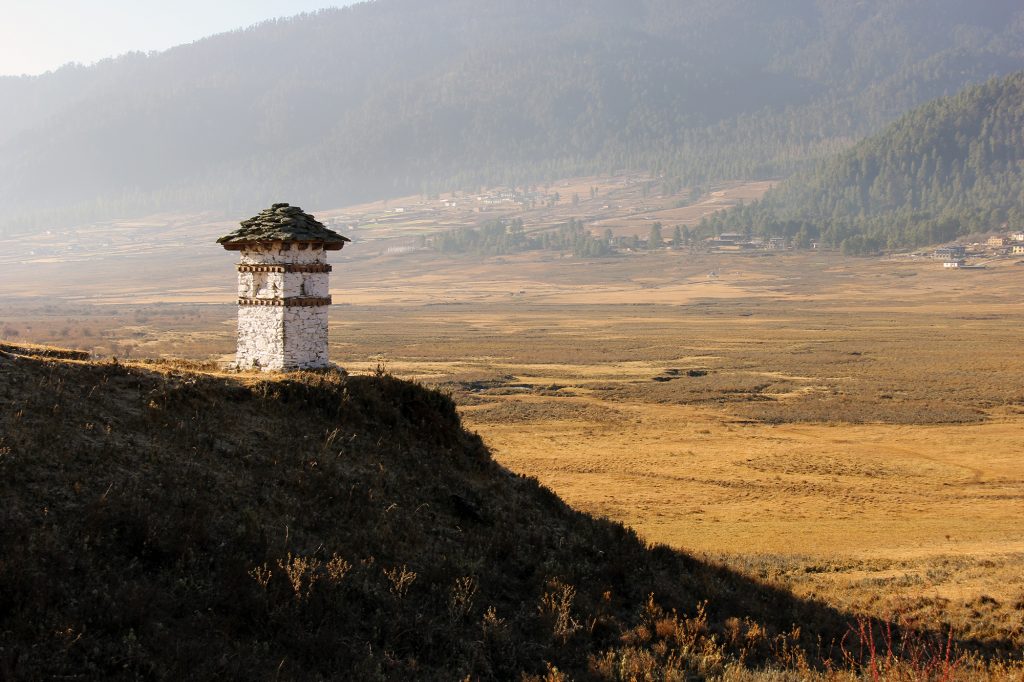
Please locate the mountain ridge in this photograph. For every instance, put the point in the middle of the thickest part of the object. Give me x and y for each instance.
(393, 97)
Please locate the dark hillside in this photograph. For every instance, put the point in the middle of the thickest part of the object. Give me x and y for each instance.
(164, 523)
(400, 96)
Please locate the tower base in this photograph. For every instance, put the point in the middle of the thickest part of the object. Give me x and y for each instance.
(280, 338)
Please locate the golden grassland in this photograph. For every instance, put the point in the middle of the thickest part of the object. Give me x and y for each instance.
(181, 492)
(849, 428)
(852, 429)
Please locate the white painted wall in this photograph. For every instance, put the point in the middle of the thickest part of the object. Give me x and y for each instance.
(260, 337)
(281, 337)
(305, 337)
(306, 284)
(276, 253)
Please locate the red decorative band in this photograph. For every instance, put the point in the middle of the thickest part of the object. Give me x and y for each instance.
(294, 302)
(286, 267)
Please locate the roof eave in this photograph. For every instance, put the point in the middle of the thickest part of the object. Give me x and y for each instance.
(325, 245)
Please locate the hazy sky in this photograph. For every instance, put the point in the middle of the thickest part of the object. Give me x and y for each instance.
(41, 35)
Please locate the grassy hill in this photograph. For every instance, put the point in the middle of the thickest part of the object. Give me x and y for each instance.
(161, 521)
(392, 97)
(949, 168)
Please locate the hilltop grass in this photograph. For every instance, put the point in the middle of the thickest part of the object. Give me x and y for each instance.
(162, 522)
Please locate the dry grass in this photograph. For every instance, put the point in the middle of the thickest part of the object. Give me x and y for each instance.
(179, 522)
(848, 428)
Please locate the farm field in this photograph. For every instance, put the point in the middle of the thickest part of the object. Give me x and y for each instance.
(850, 428)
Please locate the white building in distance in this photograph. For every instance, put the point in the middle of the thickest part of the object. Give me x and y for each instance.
(283, 290)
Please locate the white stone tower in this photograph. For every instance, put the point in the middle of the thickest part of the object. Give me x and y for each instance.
(283, 292)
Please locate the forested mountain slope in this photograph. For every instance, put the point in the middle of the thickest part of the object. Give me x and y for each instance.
(399, 95)
(952, 167)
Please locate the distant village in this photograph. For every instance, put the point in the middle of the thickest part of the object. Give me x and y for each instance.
(952, 256)
(959, 256)
(503, 235)
(734, 241)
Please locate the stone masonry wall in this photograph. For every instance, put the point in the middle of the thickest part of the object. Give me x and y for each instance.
(262, 284)
(277, 253)
(261, 337)
(282, 337)
(305, 338)
(306, 284)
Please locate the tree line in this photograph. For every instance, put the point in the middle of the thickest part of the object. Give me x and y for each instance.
(503, 237)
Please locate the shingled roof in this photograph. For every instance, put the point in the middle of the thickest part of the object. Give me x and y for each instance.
(282, 223)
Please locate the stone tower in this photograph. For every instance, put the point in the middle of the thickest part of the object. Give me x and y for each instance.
(283, 293)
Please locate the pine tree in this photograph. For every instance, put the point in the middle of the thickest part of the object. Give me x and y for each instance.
(655, 240)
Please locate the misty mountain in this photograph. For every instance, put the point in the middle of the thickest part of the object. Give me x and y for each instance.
(399, 96)
(951, 167)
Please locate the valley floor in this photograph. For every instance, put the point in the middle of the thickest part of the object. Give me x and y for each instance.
(850, 428)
